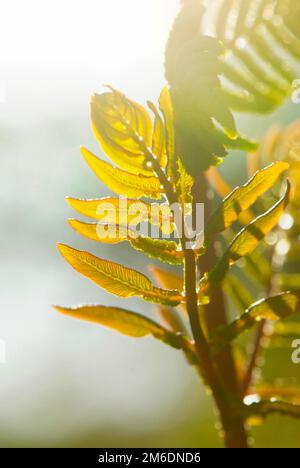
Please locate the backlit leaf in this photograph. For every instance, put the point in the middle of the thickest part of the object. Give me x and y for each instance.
(162, 250)
(166, 279)
(170, 280)
(121, 182)
(117, 279)
(106, 233)
(109, 209)
(166, 107)
(242, 198)
(273, 308)
(120, 125)
(184, 185)
(277, 307)
(159, 137)
(122, 320)
(125, 212)
(246, 241)
(171, 319)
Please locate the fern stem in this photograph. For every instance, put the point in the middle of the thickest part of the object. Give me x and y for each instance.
(215, 314)
(235, 435)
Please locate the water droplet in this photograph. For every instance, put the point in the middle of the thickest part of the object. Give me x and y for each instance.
(250, 399)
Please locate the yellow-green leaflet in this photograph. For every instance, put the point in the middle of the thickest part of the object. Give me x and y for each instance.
(242, 198)
(117, 279)
(163, 250)
(122, 320)
(122, 182)
(273, 308)
(246, 241)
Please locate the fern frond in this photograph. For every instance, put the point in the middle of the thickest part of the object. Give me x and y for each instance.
(262, 41)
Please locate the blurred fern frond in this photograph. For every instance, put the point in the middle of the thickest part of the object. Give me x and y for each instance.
(225, 56)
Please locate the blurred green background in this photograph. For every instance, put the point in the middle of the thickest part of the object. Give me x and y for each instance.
(68, 383)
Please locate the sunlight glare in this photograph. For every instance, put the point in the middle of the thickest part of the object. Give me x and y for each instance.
(100, 30)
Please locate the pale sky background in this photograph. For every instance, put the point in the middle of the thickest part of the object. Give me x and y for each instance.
(91, 42)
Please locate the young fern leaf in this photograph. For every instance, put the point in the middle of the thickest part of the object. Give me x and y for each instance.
(117, 279)
(166, 279)
(127, 212)
(249, 238)
(119, 125)
(163, 250)
(280, 306)
(124, 321)
(122, 182)
(166, 108)
(245, 242)
(184, 185)
(223, 189)
(242, 198)
(159, 144)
